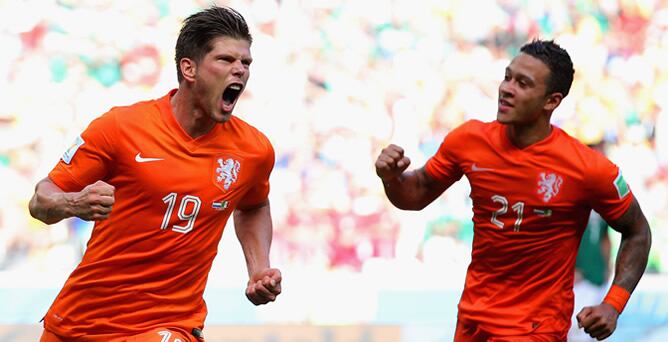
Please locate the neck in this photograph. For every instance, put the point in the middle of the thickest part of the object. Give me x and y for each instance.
(194, 121)
(522, 136)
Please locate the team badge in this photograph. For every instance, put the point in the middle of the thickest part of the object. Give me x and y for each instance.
(226, 172)
(69, 154)
(621, 186)
(549, 185)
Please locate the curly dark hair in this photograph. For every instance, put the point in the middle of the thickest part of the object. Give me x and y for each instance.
(557, 60)
(201, 28)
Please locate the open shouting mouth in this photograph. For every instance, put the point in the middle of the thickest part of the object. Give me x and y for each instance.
(231, 95)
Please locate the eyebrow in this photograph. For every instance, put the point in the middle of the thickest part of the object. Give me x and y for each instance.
(521, 75)
(229, 55)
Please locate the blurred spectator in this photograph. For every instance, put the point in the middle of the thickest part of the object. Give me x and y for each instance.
(338, 80)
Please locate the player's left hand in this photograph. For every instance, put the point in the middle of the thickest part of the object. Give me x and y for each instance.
(598, 321)
(264, 286)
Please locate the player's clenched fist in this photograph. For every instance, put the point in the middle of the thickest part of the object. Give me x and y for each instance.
(94, 202)
(264, 286)
(391, 162)
(598, 321)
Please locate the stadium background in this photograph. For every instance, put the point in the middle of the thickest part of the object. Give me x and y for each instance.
(331, 84)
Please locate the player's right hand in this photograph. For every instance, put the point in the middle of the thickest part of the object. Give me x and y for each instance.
(599, 321)
(391, 163)
(94, 202)
(264, 286)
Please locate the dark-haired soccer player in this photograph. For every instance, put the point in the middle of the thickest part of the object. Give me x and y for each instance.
(532, 187)
(174, 170)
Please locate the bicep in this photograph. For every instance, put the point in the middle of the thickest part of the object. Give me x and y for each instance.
(632, 222)
(256, 214)
(430, 188)
(46, 187)
(252, 209)
(46, 184)
(45, 202)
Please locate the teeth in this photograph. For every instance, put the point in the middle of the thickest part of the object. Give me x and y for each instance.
(235, 87)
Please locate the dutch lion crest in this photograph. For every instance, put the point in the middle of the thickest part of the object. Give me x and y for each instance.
(227, 172)
(548, 185)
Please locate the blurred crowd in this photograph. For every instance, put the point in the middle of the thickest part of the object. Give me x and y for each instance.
(333, 82)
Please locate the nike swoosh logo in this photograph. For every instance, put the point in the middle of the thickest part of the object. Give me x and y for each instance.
(476, 168)
(139, 159)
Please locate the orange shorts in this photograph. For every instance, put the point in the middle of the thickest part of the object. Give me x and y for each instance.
(155, 335)
(471, 332)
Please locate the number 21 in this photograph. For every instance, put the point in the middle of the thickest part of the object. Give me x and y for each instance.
(517, 207)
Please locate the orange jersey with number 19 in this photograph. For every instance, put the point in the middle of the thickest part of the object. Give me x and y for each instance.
(146, 266)
(530, 208)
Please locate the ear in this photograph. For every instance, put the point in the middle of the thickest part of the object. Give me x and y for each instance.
(188, 69)
(552, 101)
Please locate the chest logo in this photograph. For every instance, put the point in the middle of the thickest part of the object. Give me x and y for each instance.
(227, 172)
(140, 159)
(549, 185)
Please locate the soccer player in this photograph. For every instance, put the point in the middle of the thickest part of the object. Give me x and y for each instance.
(532, 187)
(173, 169)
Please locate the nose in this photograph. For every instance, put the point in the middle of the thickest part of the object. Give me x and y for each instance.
(238, 69)
(505, 89)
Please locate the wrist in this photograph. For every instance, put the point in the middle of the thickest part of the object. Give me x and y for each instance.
(617, 297)
(257, 270)
(65, 204)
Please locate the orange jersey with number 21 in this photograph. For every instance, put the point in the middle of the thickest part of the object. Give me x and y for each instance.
(530, 208)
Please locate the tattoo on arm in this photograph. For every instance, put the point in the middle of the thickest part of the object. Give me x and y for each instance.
(432, 188)
(634, 247)
(414, 190)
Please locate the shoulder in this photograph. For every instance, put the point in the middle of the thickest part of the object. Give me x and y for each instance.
(470, 129)
(133, 113)
(122, 116)
(475, 125)
(478, 127)
(250, 137)
(577, 151)
(133, 119)
(594, 166)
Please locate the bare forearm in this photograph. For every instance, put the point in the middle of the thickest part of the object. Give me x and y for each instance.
(632, 259)
(413, 190)
(634, 247)
(49, 204)
(401, 191)
(254, 231)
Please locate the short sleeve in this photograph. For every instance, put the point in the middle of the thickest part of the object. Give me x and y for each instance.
(444, 165)
(259, 192)
(610, 195)
(89, 158)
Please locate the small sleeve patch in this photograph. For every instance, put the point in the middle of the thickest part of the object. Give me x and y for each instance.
(621, 186)
(69, 154)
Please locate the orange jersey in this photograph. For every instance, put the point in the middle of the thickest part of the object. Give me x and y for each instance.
(530, 208)
(146, 266)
